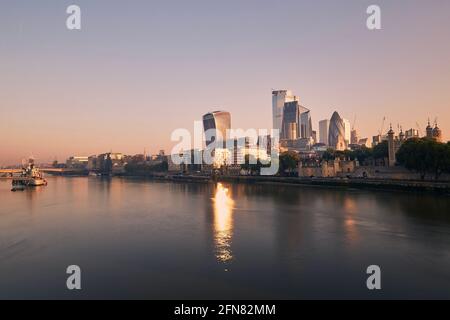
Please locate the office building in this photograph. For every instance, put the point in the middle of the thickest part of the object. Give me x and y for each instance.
(305, 123)
(279, 98)
(296, 122)
(324, 125)
(219, 122)
(77, 162)
(347, 131)
(336, 132)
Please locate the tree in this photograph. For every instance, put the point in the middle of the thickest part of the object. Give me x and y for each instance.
(288, 162)
(425, 156)
(363, 154)
(329, 155)
(380, 151)
(251, 164)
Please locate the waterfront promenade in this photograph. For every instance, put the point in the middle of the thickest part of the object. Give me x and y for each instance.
(381, 184)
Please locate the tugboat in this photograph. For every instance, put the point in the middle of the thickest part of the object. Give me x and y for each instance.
(30, 177)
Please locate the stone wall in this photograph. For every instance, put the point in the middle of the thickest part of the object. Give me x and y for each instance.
(392, 173)
(327, 169)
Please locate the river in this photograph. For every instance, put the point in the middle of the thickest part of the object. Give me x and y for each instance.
(135, 238)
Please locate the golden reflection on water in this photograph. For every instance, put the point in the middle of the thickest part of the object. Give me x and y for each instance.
(350, 210)
(223, 223)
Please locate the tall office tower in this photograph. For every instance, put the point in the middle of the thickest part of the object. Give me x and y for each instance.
(324, 125)
(305, 123)
(296, 122)
(290, 122)
(279, 98)
(220, 122)
(336, 132)
(347, 131)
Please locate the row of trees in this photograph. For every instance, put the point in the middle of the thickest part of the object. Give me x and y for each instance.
(288, 162)
(425, 156)
(380, 151)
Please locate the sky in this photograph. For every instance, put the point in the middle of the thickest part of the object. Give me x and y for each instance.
(138, 70)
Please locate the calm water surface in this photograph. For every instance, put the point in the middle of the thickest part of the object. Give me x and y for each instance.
(143, 239)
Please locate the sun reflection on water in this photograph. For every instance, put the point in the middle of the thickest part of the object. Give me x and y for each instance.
(223, 223)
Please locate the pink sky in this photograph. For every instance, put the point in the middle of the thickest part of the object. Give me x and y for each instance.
(135, 73)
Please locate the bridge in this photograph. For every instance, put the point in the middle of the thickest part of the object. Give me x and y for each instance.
(11, 171)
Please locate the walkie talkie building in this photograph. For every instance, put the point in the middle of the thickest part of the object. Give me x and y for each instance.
(219, 122)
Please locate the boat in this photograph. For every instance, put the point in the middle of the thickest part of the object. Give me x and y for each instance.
(17, 187)
(30, 177)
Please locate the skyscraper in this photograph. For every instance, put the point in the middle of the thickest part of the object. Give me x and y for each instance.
(305, 123)
(279, 98)
(336, 132)
(324, 125)
(347, 131)
(296, 122)
(219, 122)
(290, 123)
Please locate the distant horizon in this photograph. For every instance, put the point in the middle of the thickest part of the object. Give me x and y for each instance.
(156, 150)
(136, 72)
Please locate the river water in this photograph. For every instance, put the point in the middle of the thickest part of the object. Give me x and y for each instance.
(156, 240)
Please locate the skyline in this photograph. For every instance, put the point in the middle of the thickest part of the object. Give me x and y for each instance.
(135, 73)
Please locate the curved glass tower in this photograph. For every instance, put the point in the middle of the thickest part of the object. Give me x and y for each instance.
(220, 122)
(336, 132)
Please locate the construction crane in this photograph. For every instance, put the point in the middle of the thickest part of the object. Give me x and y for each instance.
(419, 128)
(382, 127)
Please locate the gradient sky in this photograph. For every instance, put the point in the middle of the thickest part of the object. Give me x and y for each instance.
(140, 69)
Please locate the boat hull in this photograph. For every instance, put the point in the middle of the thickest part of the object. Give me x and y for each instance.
(29, 182)
(37, 182)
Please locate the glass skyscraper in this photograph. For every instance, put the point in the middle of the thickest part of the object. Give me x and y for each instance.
(219, 122)
(336, 132)
(296, 122)
(279, 98)
(324, 126)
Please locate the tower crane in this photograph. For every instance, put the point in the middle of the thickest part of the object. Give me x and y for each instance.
(419, 129)
(382, 126)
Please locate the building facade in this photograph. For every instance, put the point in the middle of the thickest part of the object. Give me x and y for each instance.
(336, 132)
(434, 133)
(77, 162)
(324, 125)
(327, 169)
(296, 122)
(306, 131)
(279, 98)
(217, 123)
(347, 131)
